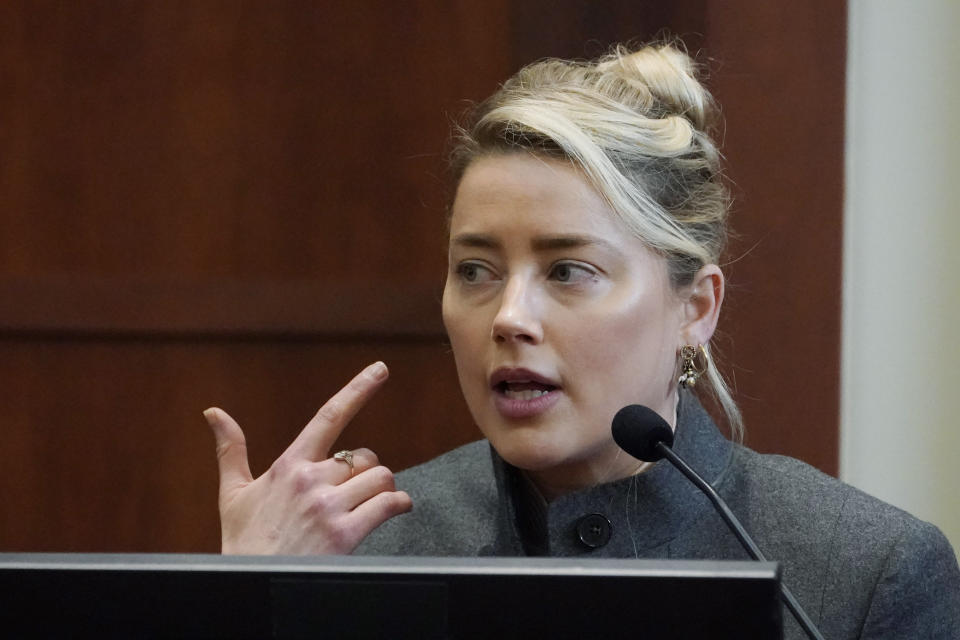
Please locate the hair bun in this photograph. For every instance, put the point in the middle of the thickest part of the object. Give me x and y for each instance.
(667, 77)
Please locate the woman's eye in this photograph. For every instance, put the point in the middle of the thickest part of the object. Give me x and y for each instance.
(571, 273)
(473, 273)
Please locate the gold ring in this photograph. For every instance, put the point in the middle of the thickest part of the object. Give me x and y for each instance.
(345, 456)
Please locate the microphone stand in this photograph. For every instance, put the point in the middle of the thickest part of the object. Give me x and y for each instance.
(741, 533)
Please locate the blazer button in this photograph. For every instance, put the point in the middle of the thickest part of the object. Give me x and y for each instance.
(594, 530)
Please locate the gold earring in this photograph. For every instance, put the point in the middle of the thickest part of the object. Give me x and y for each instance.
(688, 357)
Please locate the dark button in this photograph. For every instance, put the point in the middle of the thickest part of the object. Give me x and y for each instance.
(594, 530)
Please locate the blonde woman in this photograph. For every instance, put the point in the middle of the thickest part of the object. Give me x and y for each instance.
(585, 235)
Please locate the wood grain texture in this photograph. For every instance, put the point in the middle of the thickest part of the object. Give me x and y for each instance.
(105, 449)
(780, 77)
(294, 140)
(78, 306)
(217, 203)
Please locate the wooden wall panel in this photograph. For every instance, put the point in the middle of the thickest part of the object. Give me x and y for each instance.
(105, 448)
(779, 75)
(242, 204)
(217, 203)
(257, 140)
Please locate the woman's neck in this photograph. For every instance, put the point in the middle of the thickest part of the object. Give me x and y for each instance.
(607, 466)
(557, 481)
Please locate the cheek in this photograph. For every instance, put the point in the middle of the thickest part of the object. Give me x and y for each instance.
(627, 351)
(465, 333)
(467, 340)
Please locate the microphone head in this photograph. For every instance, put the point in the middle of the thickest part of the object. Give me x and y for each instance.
(637, 430)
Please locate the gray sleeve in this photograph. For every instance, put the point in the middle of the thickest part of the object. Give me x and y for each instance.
(454, 508)
(918, 592)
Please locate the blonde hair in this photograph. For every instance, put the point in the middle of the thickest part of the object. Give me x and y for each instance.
(637, 123)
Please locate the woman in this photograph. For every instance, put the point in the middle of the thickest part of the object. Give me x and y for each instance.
(585, 234)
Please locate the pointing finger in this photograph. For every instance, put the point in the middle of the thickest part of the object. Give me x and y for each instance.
(323, 429)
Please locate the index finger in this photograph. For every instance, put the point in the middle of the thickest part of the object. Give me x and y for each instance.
(325, 427)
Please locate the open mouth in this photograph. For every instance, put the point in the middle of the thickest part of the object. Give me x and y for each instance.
(520, 393)
(523, 389)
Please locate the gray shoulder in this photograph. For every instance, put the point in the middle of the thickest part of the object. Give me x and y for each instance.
(917, 593)
(837, 541)
(811, 500)
(463, 469)
(454, 507)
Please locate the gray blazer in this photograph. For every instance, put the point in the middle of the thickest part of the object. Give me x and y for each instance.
(860, 567)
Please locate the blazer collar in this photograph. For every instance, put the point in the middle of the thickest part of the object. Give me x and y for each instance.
(644, 512)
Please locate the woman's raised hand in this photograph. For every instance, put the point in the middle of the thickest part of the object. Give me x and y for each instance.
(307, 502)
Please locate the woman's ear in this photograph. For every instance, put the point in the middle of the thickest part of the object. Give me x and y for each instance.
(702, 305)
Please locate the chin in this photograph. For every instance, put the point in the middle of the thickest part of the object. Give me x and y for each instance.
(533, 450)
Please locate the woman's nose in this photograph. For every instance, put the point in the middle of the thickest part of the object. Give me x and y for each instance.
(517, 319)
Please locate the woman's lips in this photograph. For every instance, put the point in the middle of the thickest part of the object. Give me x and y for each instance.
(519, 392)
(516, 405)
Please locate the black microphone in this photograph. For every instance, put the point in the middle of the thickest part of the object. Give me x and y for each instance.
(645, 435)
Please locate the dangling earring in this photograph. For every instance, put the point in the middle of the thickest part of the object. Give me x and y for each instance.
(688, 356)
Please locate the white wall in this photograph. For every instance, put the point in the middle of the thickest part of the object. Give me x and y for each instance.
(900, 416)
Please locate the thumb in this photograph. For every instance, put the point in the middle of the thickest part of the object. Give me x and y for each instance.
(231, 450)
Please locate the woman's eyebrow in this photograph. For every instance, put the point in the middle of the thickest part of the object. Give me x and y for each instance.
(570, 241)
(478, 240)
(539, 243)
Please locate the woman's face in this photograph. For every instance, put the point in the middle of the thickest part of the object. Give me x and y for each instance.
(558, 317)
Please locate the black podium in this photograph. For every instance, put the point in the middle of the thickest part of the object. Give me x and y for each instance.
(203, 596)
